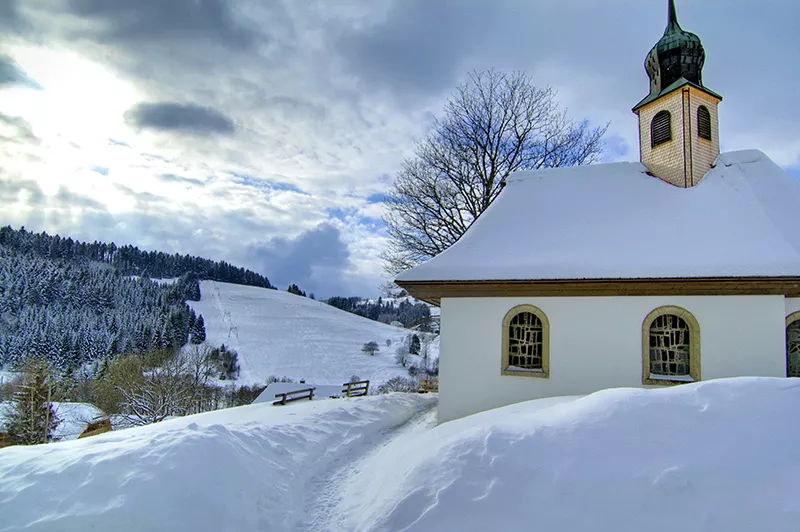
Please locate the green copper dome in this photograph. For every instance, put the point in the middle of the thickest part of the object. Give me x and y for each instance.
(679, 54)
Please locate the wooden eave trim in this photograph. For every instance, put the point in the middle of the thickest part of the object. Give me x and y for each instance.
(433, 291)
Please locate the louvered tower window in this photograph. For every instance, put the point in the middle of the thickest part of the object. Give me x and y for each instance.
(661, 129)
(703, 123)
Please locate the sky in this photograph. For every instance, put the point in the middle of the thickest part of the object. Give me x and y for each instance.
(266, 132)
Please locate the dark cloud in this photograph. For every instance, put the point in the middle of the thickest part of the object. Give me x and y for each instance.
(315, 260)
(177, 117)
(421, 44)
(11, 19)
(11, 74)
(142, 21)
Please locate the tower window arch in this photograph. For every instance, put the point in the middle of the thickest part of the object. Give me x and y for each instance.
(703, 122)
(661, 128)
(793, 345)
(670, 347)
(526, 342)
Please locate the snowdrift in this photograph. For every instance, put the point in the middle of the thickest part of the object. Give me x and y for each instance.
(719, 455)
(248, 468)
(281, 334)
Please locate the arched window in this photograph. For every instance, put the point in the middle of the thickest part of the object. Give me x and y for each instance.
(703, 123)
(670, 347)
(526, 342)
(793, 345)
(661, 128)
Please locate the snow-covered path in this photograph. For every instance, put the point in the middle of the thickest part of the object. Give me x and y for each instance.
(249, 468)
(326, 493)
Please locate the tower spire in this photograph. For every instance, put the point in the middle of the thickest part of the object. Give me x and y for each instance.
(672, 17)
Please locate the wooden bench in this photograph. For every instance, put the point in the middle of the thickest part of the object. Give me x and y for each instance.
(288, 397)
(356, 389)
(429, 386)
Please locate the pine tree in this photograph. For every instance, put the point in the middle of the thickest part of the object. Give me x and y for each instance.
(33, 419)
(199, 330)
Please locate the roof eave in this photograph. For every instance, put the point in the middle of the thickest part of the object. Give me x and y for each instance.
(433, 291)
(650, 98)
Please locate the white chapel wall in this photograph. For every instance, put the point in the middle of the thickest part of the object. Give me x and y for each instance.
(596, 343)
(792, 305)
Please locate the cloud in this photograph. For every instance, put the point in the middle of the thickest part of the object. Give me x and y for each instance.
(316, 261)
(144, 21)
(11, 74)
(172, 178)
(16, 130)
(419, 45)
(177, 117)
(10, 18)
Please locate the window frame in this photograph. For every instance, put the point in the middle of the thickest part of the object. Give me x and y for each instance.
(653, 143)
(544, 373)
(790, 319)
(695, 360)
(700, 135)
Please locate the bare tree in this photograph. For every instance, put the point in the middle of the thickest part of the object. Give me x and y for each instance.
(493, 125)
(370, 348)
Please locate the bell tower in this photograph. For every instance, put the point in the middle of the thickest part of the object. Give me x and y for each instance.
(678, 120)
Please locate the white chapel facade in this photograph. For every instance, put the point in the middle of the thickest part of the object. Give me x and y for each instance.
(680, 268)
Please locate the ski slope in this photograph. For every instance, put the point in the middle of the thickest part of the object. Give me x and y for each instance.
(281, 334)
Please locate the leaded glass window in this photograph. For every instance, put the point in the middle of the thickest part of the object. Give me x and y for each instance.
(793, 349)
(670, 347)
(525, 341)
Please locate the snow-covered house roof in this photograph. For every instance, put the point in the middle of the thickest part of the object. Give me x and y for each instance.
(614, 221)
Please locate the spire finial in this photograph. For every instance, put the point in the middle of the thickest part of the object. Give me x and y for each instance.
(673, 14)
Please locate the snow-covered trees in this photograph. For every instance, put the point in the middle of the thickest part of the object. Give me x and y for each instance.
(32, 418)
(70, 313)
(410, 314)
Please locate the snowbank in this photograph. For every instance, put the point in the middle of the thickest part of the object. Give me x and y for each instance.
(241, 469)
(719, 455)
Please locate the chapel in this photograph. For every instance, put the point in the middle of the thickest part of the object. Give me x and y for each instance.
(678, 268)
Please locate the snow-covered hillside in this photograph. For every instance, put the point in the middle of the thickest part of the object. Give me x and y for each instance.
(706, 457)
(281, 334)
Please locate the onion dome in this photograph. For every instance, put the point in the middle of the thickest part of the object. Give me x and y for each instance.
(679, 54)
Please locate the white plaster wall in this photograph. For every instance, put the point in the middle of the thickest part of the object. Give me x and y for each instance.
(596, 343)
(792, 305)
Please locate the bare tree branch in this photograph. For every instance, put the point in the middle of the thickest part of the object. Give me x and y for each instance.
(493, 125)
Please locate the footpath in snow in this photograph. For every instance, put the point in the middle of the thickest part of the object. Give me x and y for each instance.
(714, 456)
(250, 468)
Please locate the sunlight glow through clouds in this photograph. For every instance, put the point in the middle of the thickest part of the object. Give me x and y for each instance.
(80, 105)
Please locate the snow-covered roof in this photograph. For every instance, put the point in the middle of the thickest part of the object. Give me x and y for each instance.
(614, 221)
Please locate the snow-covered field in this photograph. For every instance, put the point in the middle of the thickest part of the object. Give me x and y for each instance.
(281, 334)
(713, 456)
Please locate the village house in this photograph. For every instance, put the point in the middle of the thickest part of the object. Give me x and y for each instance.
(679, 268)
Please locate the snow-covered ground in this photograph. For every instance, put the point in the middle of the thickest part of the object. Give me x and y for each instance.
(250, 468)
(712, 456)
(281, 334)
